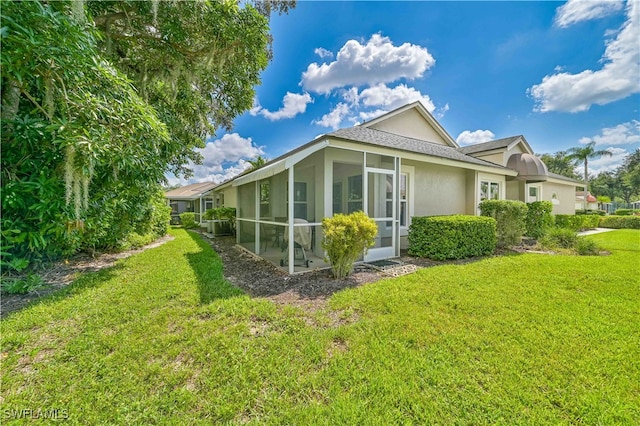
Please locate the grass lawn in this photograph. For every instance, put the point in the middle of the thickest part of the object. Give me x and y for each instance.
(162, 339)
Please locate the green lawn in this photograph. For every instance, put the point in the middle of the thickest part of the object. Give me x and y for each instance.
(162, 339)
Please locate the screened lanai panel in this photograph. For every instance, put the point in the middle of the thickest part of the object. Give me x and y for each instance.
(247, 201)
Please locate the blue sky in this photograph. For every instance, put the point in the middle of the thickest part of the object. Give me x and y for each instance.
(559, 73)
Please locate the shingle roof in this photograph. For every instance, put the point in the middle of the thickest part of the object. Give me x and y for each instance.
(390, 140)
(488, 146)
(190, 191)
(561, 177)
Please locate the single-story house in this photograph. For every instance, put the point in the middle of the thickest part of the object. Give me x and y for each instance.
(592, 202)
(399, 165)
(196, 198)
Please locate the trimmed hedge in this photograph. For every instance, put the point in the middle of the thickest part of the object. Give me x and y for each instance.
(452, 237)
(510, 218)
(620, 222)
(626, 212)
(577, 222)
(539, 218)
(598, 212)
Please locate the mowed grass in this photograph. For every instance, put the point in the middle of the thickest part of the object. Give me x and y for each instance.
(162, 339)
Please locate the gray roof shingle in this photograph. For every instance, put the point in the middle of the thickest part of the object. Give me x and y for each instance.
(488, 146)
(390, 140)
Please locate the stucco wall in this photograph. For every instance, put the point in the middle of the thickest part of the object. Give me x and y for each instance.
(412, 125)
(439, 190)
(566, 197)
(515, 190)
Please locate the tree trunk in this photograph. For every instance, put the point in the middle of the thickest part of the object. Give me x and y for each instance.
(586, 183)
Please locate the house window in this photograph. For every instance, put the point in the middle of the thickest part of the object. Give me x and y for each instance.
(354, 194)
(489, 190)
(208, 204)
(404, 211)
(299, 199)
(219, 200)
(265, 195)
(337, 197)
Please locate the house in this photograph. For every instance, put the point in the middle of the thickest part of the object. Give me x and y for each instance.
(592, 202)
(196, 198)
(399, 165)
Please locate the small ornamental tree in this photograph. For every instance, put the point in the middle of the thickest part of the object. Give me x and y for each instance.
(345, 238)
(539, 218)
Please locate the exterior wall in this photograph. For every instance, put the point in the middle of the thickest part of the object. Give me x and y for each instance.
(439, 190)
(566, 197)
(515, 190)
(471, 202)
(412, 125)
(496, 157)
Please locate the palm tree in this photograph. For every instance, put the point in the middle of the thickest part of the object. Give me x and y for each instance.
(582, 155)
(258, 162)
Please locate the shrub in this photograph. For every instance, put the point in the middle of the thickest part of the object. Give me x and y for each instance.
(539, 218)
(223, 213)
(559, 238)
(625, 212)
(345, 239)
(188, 220)
(577, 222)
(21, 285)
(510, 219)
(620, 222)
(587, 247)
(597, 212)
(452, 237)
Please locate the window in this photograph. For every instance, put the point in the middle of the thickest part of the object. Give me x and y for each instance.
(265, 194)
(354, 194)
(533, 191)
(337, 197)
(220, 200)
(299, 199)
(208, 204)
(404, 211)
(489, 190)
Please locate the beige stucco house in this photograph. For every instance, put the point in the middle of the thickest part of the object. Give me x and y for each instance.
(399, 165)
(195, 198)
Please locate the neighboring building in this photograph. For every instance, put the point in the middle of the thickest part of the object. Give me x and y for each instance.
(592, 202)
(397, 166)
(194, 198)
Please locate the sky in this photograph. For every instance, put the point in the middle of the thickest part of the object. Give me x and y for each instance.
(560, 73)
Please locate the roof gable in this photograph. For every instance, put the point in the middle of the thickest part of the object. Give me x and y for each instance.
(412, 121)
(193, 190)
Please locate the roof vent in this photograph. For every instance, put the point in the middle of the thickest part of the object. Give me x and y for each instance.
(529, 167)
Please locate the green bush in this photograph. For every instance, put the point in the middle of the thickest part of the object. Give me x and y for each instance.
(21, 285)
(597, 212)
(452, 237)
(345, 239)
(510, 218)
(559, 238)
(626, 212)
(587, 247)
(620, 222)
(188, 220)
(577, 222)
(539, 218)
(223, 213)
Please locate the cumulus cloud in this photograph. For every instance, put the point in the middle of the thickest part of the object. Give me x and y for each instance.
(390, 98)
(617, 79)
(622, 134)
(604, 164)
(334, 117)
(376, 61)
(575, 11)
(323, 53)
(223, 159)
(478, 136)
(292, 105)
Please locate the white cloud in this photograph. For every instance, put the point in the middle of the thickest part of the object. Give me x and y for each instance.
(223, 159)
(323, 53)
(622, 134)
(390, 98)
(604, 164)
(617, 79)
(575, 11)
(478, 136)
(292, 105)
(370, 115)
(377, 61)
(335, 117)
(442, 111)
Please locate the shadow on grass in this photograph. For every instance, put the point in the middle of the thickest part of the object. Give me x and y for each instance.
(207, 266)
(53, 294)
